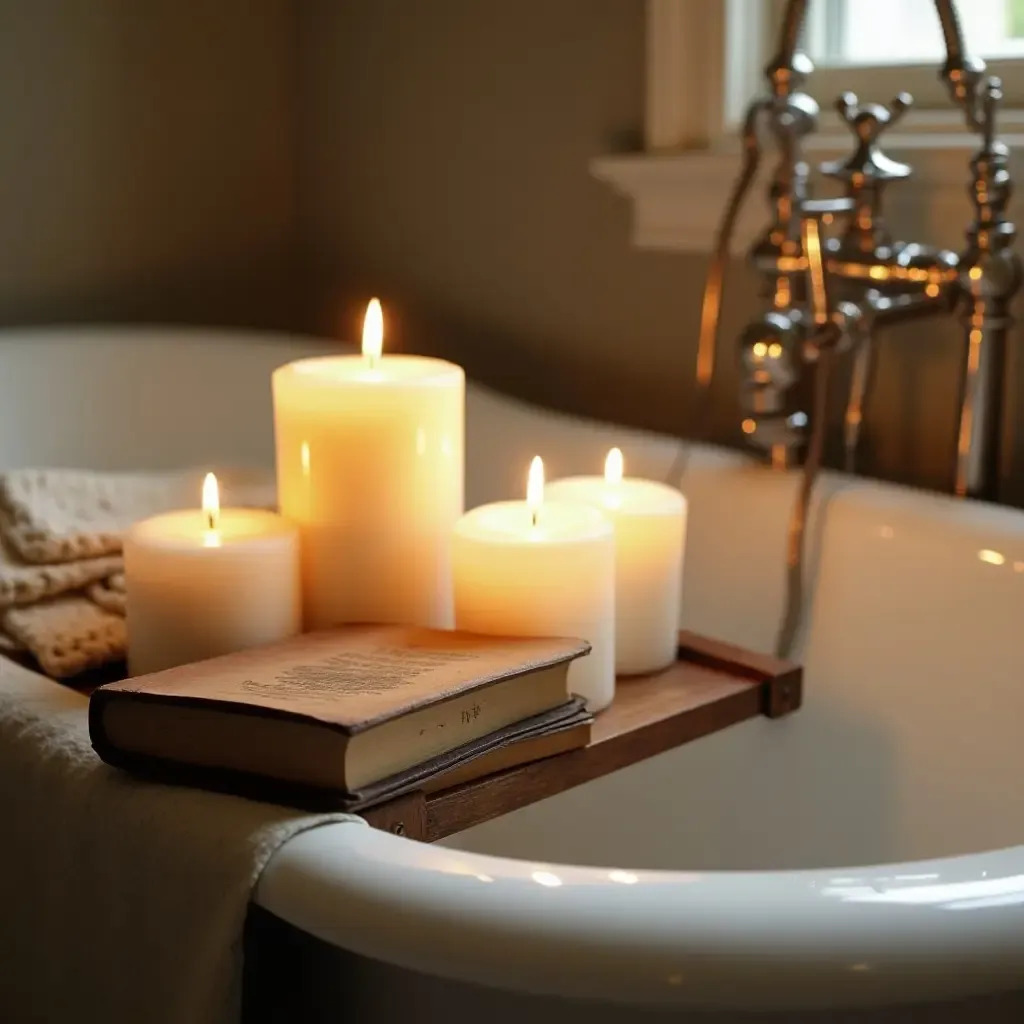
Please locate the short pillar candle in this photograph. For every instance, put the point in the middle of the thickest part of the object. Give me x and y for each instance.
(541, 568)
(650, 530)
(209, 581)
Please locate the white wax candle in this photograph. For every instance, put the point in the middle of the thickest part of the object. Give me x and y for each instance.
(650, 532)
(370, 466)
(538, 568)
(201, 583)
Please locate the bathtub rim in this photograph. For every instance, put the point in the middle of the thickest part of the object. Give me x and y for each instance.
(924, 931)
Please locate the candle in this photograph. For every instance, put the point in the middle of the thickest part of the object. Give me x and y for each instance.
(370, 466)
(205, 582)
(650, 532)
(541, 568)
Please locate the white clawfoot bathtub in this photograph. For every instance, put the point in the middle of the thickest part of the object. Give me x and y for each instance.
(860, 859)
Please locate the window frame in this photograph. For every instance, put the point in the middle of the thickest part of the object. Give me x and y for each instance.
(881, 82)
(714, 52)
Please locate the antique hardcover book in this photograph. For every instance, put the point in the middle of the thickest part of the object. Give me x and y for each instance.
(559, 738)
(352, 715)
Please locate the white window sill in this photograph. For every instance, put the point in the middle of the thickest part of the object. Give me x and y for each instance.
(678, 197)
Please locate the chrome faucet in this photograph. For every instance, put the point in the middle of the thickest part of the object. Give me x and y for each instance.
(825, 297)
(867, 279)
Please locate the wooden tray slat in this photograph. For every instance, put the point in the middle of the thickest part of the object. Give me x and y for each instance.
(713, 685)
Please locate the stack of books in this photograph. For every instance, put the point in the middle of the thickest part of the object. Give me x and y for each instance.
(349, 717)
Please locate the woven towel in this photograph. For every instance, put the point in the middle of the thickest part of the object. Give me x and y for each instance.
(68, 635)
(123, 902)
(63, 515)
(110, 594)
(22, 583)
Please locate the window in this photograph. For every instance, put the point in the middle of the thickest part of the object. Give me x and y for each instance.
(873, 32)
(705, 62)
(881, 47)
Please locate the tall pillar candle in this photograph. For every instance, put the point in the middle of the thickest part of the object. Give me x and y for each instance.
(541, 568)
(370, 466)
(201, 583)
(650, 531)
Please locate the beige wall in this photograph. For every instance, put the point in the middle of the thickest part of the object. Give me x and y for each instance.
(147, 160)
(443, 166)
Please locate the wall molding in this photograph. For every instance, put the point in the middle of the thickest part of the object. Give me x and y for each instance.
(677, 199)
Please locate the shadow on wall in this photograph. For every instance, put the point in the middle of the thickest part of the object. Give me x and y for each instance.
(148, 157)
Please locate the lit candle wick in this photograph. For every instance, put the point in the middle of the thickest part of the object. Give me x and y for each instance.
(535, 488)
(373, 333)
(613, 466)
(211, 504)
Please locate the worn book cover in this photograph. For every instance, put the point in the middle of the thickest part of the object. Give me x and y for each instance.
(347, 710)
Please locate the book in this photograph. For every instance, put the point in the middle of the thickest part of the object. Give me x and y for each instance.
(559, 739)
(349, 716)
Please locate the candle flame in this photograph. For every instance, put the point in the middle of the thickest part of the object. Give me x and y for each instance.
(211, 501)
(535, 487)
(373, 332)
(613, 467)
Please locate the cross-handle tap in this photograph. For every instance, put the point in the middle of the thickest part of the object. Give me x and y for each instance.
(864, 175)
(867, 122)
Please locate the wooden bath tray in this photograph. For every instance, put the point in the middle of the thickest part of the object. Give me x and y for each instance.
(713, 685)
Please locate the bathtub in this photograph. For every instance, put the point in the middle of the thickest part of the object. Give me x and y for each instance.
(855, 861)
